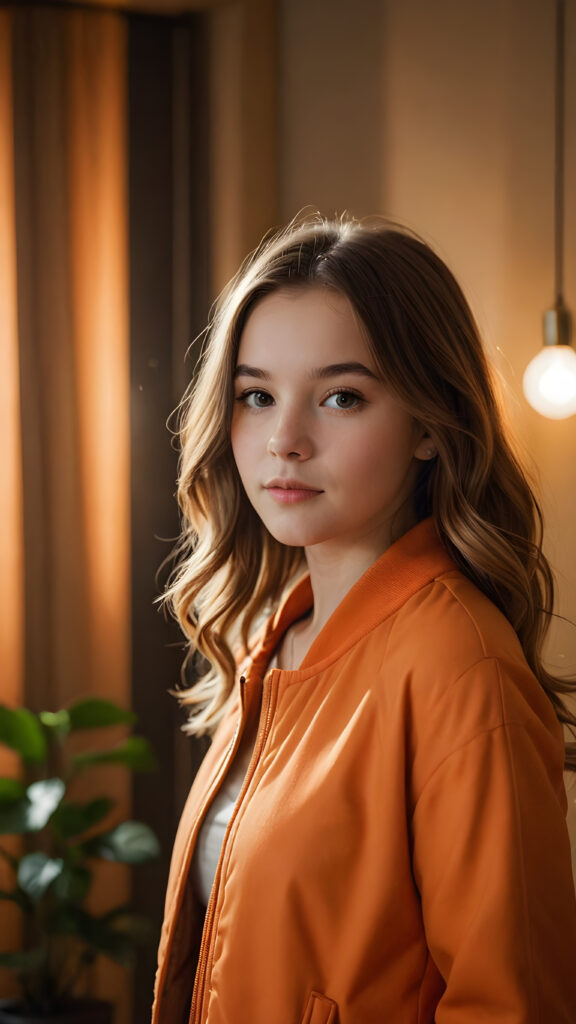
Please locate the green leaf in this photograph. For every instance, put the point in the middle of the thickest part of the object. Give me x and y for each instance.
(16, 896)
(71, 819)
(72, 884)
(14, 817)
(44, 797)
(23, 961)
(135, 753)
(132, 842)
(57, 722)
(21, 730)
(36, 872)
(96, 932)
(95, 713)
(32, 813)
(11, 790)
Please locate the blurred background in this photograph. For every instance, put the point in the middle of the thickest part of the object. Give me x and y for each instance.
(145, 148)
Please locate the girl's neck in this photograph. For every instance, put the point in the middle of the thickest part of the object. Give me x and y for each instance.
(334, 569)
(332, 574)
(331, 577)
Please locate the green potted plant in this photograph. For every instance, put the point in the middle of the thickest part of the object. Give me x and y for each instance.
(62, 838)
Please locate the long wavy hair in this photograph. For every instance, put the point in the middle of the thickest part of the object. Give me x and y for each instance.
(229, 569)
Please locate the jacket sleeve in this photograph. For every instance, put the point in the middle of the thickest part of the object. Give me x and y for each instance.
(492, 863)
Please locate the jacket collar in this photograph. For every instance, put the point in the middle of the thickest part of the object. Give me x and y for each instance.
(405, 567)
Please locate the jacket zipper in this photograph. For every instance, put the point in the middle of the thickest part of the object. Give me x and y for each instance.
(218, 778)
(205, 959)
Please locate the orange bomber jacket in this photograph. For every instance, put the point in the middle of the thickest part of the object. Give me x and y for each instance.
(399, 851)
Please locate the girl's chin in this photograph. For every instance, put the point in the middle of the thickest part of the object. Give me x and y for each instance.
(294, 538)
(289, 540)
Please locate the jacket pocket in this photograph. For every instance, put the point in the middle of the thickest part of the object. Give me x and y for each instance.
(320, 1010)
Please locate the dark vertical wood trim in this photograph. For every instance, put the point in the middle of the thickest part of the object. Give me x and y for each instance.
(191, 263)
(168, 302)
(153, 515)
(192, 191)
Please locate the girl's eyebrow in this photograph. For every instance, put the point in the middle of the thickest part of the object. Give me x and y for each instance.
(333, 370)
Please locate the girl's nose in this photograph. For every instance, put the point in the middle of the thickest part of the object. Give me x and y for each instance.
(290, 438)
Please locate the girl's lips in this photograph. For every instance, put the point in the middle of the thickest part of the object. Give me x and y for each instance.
(290, 495)
(288, 492)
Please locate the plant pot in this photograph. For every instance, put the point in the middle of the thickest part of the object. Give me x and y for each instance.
(79, 1011)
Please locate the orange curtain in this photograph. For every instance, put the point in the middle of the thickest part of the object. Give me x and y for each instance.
(64, 378)
(97, 158)
(99, 282)
(11, 534)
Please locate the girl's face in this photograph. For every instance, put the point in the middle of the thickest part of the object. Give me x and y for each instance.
(326, 455)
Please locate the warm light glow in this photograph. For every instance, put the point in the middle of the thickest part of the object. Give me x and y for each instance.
(11, 502)
(550, 382)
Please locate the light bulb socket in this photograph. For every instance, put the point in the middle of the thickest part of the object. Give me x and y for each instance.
(557, 326)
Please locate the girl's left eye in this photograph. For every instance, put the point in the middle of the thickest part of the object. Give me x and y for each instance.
(255, 399)
(343, 400)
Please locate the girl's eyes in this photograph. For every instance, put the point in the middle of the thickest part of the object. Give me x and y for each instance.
(341, 399)
(255, 399)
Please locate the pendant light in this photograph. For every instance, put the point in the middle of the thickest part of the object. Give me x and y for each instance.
(550, 378)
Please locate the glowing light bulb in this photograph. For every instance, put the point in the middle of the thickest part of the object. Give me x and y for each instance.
(550, 382)
(550, 378)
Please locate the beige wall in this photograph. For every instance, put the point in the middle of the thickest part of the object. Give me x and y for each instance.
(440, 115)
(331, 101)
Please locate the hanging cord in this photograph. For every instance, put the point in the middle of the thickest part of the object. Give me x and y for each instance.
(559, 157)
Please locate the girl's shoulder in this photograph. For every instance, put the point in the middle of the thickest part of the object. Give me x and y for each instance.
(455, 619)
(462, 663)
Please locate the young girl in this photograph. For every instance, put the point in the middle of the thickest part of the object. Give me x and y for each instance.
(377, 833)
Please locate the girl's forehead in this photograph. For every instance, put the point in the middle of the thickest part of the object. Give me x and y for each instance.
(312, 320)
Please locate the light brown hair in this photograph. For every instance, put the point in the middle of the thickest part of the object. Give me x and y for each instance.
(424, 339)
